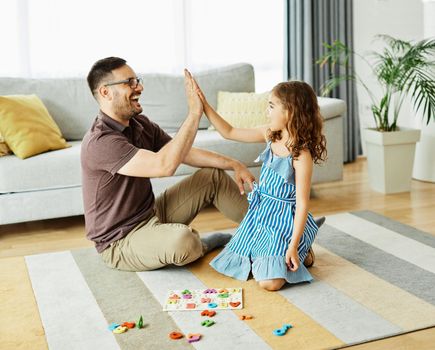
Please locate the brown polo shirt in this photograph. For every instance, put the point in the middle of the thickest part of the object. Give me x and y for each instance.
(114, 204)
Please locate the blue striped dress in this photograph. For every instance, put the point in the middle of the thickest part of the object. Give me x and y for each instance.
(261, 241)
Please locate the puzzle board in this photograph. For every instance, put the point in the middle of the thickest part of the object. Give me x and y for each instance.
(204, 299)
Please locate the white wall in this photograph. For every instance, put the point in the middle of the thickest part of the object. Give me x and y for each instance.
(402, 19)
(424, 162)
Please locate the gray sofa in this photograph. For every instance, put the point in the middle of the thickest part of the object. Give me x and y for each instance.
(49, 185)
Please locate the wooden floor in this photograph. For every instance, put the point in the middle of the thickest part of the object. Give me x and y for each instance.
(415, 208)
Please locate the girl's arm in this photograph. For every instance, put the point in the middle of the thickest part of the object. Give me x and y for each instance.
(303, 171)
(227, 130)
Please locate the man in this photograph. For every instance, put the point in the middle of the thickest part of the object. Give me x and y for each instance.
(123, 149)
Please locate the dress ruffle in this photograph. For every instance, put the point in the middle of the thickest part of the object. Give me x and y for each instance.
(263, 268)
(270, 267)
(232, 264)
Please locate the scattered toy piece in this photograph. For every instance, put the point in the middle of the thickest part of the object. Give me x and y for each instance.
(113, 326)
(191, 338)
(212, 305)
(283, 330)
(208, 313)
(175, 335)
(246, 317)
(120, 329)
(129, 324)
(207, 323)
(190, 306)
(140, 322)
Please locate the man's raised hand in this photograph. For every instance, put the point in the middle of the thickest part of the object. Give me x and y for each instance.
(194, 102)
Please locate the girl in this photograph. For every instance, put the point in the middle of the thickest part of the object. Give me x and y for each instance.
(276, 233)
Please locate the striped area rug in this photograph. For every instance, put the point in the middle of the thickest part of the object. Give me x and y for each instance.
(374, 278)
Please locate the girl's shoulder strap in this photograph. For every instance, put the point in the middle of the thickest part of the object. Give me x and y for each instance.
(265, 154)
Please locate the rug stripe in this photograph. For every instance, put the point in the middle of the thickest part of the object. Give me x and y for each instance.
(397, 227)
(376, 261)
(390, 302)
(20, 327)
(69, 313)
(342, 316)
(121, 297)
(400, 246)
(306, 334)
(228, 332)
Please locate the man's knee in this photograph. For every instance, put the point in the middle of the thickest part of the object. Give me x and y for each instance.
(186, 246)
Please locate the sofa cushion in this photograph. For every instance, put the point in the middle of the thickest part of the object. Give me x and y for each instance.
(51, 170)
(69, 101)
(27, 127)
(164, 101)
(331, 107)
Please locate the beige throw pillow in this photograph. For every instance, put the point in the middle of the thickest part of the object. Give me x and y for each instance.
(243, 109)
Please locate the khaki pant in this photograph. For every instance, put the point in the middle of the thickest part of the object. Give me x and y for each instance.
(166, 238)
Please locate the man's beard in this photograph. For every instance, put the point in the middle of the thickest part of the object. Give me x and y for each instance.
(124, 110)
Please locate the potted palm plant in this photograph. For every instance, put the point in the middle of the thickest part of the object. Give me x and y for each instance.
(403, 69)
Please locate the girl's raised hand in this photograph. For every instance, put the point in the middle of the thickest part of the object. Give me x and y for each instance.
(200, 93)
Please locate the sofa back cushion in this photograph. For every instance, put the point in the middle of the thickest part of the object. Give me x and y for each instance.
(164, 101)
(70, 102)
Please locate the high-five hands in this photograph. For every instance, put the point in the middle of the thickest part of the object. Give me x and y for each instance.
(194, 102)
(201, 94)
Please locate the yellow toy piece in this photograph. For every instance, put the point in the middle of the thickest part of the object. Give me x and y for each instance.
(120, 329)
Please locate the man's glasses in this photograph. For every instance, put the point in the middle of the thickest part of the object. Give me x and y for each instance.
(132, 82)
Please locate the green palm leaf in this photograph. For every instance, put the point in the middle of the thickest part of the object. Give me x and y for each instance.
(402, 68)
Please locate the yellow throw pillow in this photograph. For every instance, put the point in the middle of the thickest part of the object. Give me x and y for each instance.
(243, 109)
(27, 127)
(4, 149)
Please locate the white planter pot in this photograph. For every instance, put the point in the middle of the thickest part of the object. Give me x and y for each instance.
(390, 157)
(424, 165)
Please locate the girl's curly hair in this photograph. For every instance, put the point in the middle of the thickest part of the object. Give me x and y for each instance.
(305, 122)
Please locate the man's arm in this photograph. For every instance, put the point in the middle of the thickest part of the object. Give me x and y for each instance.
(206, 159)
(164, 163)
